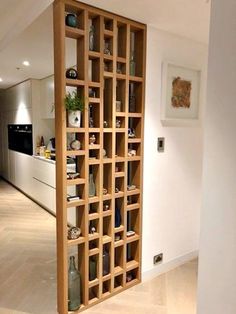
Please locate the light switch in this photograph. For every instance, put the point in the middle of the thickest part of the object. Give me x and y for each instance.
(160, 144)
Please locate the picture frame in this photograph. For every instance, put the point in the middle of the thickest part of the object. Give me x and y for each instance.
(181, 95)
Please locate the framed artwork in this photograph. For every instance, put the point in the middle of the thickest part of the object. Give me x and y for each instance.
(181, 94)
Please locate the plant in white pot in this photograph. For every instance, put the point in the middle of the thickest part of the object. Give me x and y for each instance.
(74, 105)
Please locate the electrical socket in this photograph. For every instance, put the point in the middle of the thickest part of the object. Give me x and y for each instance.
(157, 259)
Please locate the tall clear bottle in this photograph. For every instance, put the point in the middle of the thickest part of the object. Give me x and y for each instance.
(132, 65)
(92, 188)
(74, 286)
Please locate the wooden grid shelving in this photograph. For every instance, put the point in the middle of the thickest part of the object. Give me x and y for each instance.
(118, 131)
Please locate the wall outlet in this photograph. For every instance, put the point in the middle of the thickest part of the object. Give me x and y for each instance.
(161, 144)
(157, 259)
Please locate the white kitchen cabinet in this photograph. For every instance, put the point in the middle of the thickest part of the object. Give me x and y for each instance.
(47, 98)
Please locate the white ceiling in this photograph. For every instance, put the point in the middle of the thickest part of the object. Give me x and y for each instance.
(26, 34)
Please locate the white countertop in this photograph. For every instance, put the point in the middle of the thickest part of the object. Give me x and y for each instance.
(44, 159)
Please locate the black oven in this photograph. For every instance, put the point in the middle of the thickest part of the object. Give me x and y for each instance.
(20, 138)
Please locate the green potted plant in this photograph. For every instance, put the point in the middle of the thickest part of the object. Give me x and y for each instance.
(74, 104)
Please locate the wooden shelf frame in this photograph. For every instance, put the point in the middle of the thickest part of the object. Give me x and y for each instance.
(114, 139)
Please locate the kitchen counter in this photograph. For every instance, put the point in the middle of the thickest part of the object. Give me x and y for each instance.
(44, 159)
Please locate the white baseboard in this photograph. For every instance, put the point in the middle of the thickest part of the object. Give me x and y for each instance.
(165, 267)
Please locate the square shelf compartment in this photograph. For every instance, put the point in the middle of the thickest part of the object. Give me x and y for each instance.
(120, 122)
(107, 145)
(107, 226)
(76, 190)
(95, 171)
(93, 268)
(106, 288)
(108, 100)
(135, 97)
(93, 294)
(94, 154)
(94, 139)
(120, 145)
(76, 218)
(119, 259)
(106, 259)
(75, 141)
(132, 276)
(79, 15)
(134, 149)
(94, 92)
(94, 115)
(122, 40)
(133, 221)
(108, 24)
(134, 173)
(108, 46)
(120, 95)
(118, 282)
(120, 68)
(94, 69)
(136, 49)
(132, 251)
(95, 21)
(93, 208)
(135, 126)
(107, 177)
(119, 184)
(108, 66)
(93, 227)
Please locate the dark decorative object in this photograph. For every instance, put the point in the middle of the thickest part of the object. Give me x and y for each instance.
(117, 218)
(92, 228)
(91, 122)
(132, 99)
(74, 286)
(106, 263)
(71, 20)
(92, 93)
(105, 207)
(131, 133)
(92, 268)
(73, 233)
(71, 74)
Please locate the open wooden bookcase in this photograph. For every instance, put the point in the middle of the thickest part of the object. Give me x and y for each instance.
(103, 80)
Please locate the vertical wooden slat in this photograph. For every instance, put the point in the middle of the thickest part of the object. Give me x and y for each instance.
(60, 130)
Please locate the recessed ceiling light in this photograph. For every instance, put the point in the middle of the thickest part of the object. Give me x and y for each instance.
(26, 63)
(0, 79)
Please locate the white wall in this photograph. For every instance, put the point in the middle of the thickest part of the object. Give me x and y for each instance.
(217, 270)
(172, 180)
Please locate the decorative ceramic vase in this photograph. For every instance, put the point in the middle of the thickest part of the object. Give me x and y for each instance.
(91, 38)
(73, 233)
(71, 74)
(74, 286)
(71, 20)
(105, 124)
(74, 118)
(92, 188)
(75, 145)
(92, 269)
(106, 263)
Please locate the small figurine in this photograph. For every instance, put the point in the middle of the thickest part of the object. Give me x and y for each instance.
(104, 153)
(118, 123)
(92, 139)
(117, 190)
(118, 69)
(117, 169)
(131, 133)
(73, 233)
(105, 207)
(131, 187)
(92, 93)
(117, 237)
(131, 153)
(105, 191)
(106, 49)
(105, 124)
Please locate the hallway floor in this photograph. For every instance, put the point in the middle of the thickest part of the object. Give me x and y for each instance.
(28, 269)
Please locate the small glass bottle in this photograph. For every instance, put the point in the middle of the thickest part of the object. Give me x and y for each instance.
(91, 38)
(92, 188)
(74, 286)
(132, 66)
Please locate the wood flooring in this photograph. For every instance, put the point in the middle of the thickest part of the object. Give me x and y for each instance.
(28, 269)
